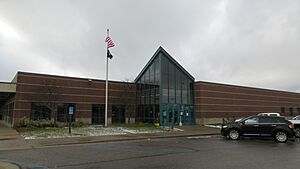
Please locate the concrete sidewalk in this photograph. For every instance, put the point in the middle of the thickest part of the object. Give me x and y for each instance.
(8, 133)
(187, 131)
(11, 139)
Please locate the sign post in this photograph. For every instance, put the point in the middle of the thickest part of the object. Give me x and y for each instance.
(71, 112)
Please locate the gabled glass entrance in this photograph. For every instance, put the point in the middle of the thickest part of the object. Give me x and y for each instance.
(165, 92)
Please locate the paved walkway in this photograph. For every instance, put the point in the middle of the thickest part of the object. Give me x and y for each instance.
(10, 139)
(7, 133)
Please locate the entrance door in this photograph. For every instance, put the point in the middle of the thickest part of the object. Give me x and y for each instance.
(98, 114)
(176, 114)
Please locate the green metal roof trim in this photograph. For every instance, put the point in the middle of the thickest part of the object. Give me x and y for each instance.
(162, 50)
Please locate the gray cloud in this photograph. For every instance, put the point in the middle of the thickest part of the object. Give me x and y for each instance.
(253, 43)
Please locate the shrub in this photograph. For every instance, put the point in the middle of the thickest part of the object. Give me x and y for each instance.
(61, 124)
(228, 119)
(43, 123)
(78, 124)
(24, 122)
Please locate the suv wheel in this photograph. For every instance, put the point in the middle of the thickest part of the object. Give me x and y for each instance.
(297, 132)
(233, 134)
(281, 136)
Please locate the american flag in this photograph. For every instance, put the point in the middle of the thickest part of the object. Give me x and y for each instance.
(109, 42)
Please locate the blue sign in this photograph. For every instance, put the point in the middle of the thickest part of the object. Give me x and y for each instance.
(71, 110)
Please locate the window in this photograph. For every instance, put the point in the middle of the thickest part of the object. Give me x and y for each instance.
(63, 114)
(157, 96)
(282, 110)
(156, 72)
(165, 81)
(98, 114)
(151, 76)
(191, 92)
(7, 112)
(291, 111)
(178, 86)
(146, 76)
(184, 91)
(165, 95)
(267, 120)
(252, 120)
(40, 111)
(118, 114)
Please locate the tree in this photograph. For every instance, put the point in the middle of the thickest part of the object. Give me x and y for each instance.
(50, 94)
(128, 98)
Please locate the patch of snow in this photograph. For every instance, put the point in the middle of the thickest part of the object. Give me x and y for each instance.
(29, 137)
(177, 129)
(198, 137)
(92, 131)
(213, 126)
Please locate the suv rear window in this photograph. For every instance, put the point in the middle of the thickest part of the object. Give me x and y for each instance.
(265, 119)
(282, 120)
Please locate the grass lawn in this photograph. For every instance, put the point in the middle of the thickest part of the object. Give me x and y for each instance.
(117, 129)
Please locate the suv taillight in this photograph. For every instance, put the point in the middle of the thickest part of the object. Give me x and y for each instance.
(291, 126)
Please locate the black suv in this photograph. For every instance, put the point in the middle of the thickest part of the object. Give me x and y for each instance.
(260, 126)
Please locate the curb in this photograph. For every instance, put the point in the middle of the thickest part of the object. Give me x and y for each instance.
(8, 138)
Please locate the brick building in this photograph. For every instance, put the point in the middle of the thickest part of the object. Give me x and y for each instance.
(163, 92)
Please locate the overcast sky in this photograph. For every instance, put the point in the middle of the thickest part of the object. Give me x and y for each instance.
(252, 43)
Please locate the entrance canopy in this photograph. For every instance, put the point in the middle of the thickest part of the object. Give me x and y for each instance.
(5, 90)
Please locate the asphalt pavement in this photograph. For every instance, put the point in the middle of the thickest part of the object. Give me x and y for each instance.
(200, 152)
(11, 140)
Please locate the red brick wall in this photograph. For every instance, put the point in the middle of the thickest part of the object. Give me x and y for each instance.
(34, 88)
(211, 100)
(218, 100)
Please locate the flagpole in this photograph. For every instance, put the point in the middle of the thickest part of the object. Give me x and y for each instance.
(106, 84)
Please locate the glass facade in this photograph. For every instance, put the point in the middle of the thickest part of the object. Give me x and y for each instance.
(165, 92)
(148, 94)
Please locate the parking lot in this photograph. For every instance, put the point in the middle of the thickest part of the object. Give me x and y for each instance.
(207, 152)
